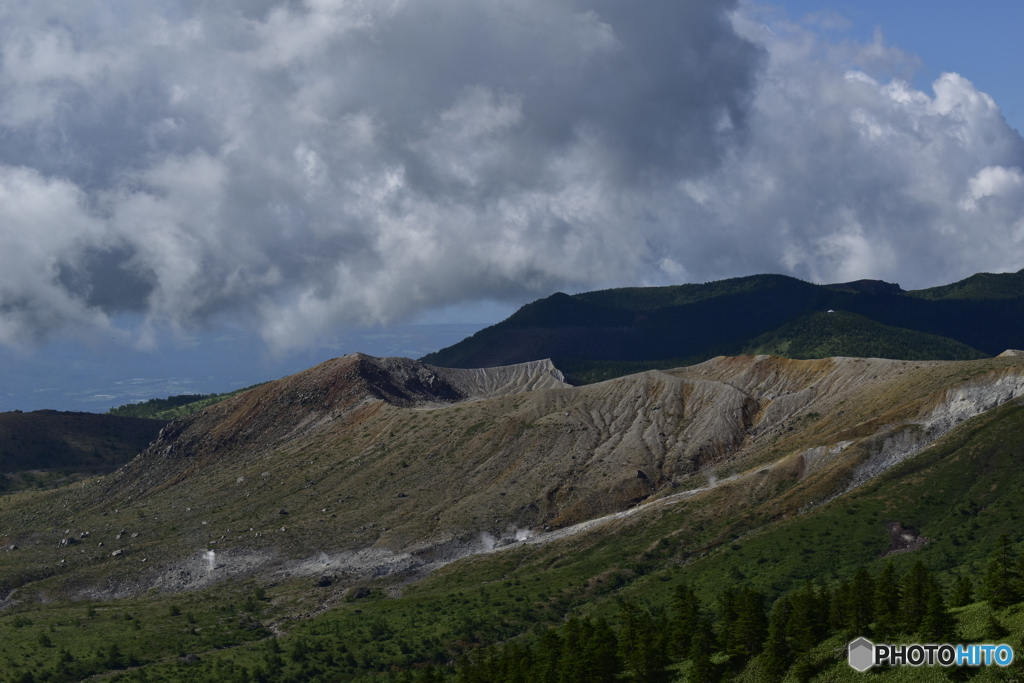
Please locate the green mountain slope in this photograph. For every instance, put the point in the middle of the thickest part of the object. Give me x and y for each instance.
(650, 298)
(978, 287)
(697, 321)
(174, 406)
(55, 445)
(822, 335)
(155, 406)
(596, 335)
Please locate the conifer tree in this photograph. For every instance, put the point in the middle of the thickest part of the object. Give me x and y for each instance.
(839, 612)
(802, 670)
(516, 665)
(492, 666)
(743, 623)
(112, 657)
(544, 668)
(862, 602)
(804, 627)
(938, 625)
(916, 586)
(777, 651)
(685, 621)
(602, 659)
(994, 629)
(727, 615)
(429, 674)
(643, 645)
(887, 602)
(702, 670)
(823, 610)
(963, 592)
(1000, 585)
(572, 664)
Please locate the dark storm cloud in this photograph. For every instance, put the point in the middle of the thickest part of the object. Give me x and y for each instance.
(106, 279)
(295, 166)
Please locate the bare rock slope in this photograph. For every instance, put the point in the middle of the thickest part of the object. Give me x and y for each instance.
(363, 466)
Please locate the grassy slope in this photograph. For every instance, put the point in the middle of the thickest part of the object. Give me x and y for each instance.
(174, 407)
(824, 335)
(978, 287)
(155, 406)
(816, 335)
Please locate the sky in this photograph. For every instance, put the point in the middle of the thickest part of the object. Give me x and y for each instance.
(311, 177)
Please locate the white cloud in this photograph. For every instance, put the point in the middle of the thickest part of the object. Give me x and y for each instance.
(44, 221)
(294, 166)
(993, 181)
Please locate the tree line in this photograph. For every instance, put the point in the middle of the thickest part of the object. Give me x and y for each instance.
(713, 641)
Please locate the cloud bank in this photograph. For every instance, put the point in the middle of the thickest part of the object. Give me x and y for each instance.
(297, 166)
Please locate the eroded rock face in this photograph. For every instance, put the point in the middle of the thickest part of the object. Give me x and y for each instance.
(390, 465)
(557, 456)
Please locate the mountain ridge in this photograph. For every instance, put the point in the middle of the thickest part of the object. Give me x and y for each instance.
(598, 334)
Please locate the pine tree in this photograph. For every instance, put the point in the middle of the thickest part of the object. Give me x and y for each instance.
(802, 670)
(112, 659)
(938, 625)
(702, 670)
(469, 671)
(839, 612)
(602, 658)
(963, 592)
(823, 611)
(728, 613)
(686, 620)
(544, 668)
(572, 665)
(643, 645)
(916, 587)
(429, 674)
(862, 603)
(994, 629)
(751, 625)
(777, 651)
(515, 665)
(887, 602)
(804, 627)
(1000, 585)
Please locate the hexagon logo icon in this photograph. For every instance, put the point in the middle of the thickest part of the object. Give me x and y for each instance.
(861, 654)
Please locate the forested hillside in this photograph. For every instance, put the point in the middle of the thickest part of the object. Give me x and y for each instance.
(173, 406)
(596, 335)
(45, 448)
